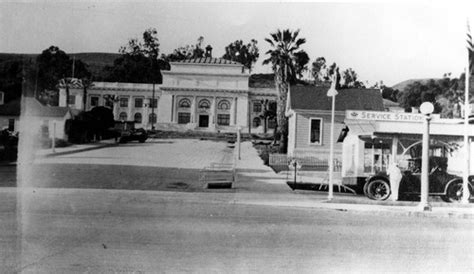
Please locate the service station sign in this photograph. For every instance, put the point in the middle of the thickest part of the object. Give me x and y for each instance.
(384, 116)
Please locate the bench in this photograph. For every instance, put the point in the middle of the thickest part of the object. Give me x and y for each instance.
(218, 175)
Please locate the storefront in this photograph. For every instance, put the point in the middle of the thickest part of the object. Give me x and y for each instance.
(374, 140)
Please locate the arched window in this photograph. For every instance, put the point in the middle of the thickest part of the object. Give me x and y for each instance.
(184, 103)
(256, 122)
(204, 104)
(138, 117)
(152, 118)
(223, 105)
(123, 116)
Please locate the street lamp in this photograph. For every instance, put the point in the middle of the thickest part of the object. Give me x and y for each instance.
(426, 108)
(332, 92)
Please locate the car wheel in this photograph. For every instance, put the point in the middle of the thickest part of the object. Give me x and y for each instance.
(378, 190)
(142, 140)
(454, 192)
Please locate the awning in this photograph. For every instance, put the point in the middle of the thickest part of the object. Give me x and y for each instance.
(361, 127)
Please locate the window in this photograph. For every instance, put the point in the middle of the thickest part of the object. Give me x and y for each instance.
(204, 104)
(94, 101)
(257, 107)
(152, 118)
(138, 117)
(138, 102)
(223, 105)
(184, 118)
(315, 134)
(1, 98)
(153, 102)
(71, 100)
(272, 123)
(256, 122)
(123, 116)
(109, 102)
(223, 119)
(184, 103)
(123, 102)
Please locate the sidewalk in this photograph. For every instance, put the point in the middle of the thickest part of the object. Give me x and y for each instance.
(272, 190)
(75, 148)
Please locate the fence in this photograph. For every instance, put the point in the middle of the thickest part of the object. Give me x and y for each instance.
(280, 162)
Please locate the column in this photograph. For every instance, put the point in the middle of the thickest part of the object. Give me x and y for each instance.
(193, 111)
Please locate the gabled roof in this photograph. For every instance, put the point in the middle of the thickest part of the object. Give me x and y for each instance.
(12, 108)
(315, 98)
(35, 108)
(208, 60)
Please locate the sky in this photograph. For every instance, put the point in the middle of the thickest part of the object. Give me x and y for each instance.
(381, 41)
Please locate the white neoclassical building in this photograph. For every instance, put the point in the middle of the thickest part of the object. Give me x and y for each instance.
(207, 94)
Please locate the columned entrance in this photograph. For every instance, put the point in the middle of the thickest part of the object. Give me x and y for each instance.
(203, 120)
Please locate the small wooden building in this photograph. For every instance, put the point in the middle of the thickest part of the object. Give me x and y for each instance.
(309, 114)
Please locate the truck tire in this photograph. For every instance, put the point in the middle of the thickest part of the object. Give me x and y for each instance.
(378, 189)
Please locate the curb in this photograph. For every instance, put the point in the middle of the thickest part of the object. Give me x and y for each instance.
(374, 211)
(52, 154)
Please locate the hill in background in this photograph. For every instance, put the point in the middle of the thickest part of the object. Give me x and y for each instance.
(402, 85)
(96, 60)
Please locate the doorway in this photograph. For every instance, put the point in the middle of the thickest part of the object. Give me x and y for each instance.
(203, 120)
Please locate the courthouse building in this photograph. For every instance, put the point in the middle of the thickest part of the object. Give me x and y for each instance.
(204, 94)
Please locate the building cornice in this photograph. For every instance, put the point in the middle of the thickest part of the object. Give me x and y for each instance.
(205, 74)
(203, 89)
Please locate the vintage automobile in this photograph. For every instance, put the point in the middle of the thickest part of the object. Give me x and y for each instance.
(448, 186)
(127, 132)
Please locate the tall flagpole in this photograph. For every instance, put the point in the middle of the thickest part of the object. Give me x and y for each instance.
(465, 183)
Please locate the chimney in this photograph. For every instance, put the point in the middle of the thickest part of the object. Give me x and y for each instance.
(208, 51)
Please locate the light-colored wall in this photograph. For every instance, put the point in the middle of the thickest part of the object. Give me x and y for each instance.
(205, 68)
(214, 81)
(302, 134)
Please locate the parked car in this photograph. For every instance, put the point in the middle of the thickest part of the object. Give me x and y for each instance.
(139, 135)
(448, 186)
(127, 132)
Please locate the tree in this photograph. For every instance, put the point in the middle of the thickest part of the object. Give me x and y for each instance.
(389, 93)
(301, 63)
(53, 64)
(330, 71)
(269, 112)
(416, 93)
(186, 52)
(318, 70)
(245, 54)
(139, 61)
(350, 79)
(86, 83)
(11, 78)
(285, 43)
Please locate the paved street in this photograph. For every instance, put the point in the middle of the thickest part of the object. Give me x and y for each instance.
(94, 231)
(96, 223)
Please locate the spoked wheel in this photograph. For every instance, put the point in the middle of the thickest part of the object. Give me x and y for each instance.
(378, 190)
(454, 192)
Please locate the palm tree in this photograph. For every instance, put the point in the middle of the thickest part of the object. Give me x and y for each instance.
(283, 57)
(86, 84)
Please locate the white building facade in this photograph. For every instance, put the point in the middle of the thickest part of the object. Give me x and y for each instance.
(203, 94)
